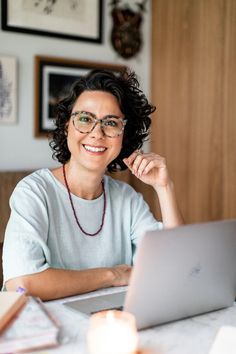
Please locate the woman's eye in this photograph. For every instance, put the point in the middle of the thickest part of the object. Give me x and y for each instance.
(111, 123)
(85, 119)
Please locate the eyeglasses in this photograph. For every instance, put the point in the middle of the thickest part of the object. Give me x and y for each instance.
(85, 122)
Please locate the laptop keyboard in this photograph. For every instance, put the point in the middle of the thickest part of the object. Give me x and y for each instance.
(118, 308)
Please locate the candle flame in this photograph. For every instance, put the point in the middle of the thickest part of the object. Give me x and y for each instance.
(110, 315)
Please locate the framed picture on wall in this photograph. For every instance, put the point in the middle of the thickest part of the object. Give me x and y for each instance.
(8, 90)
(72, 19)
(53, 79)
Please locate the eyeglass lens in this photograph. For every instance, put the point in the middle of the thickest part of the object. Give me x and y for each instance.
(111, 126)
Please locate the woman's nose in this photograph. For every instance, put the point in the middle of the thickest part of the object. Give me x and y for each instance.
(97, 131)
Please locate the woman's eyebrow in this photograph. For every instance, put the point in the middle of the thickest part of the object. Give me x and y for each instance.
(85, 112)
(94, 115)
(112, 116)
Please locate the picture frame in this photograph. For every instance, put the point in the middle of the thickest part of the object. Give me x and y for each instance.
(53, 79)
(76, 20)
(8, 90)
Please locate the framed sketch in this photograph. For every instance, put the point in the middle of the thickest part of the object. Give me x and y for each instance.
(53, 79)
(8, 87)
(68, 19)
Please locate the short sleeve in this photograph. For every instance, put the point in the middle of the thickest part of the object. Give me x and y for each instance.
(25, 249)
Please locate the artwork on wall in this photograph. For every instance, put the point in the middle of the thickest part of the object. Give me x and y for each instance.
(8, 86)
(126, 35)
(72, 19)
(53, 79)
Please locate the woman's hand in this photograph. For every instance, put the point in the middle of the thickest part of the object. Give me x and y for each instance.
(121, 274)
(150, 168)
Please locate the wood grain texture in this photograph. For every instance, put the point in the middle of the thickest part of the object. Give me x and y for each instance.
(193, 71)
(229, 112)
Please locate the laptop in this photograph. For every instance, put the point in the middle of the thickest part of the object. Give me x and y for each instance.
(178, 273)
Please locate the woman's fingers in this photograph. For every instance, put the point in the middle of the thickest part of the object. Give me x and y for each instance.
(136, 163)
(134, 160)
(148, 167)
(129, 160)
(141, 164)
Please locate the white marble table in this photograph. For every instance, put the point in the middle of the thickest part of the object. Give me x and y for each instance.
(194, 335)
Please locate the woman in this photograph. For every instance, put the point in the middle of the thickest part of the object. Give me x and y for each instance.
(74, 229)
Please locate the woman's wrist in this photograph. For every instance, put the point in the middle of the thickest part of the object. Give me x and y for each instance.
(165, 188)
(171, 215)
(109, 277)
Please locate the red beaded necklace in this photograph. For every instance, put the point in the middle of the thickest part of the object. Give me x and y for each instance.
(73, 208)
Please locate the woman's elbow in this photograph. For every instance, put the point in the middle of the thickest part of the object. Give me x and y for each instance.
(19, 282)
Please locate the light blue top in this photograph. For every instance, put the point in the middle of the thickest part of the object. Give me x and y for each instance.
(42, 231)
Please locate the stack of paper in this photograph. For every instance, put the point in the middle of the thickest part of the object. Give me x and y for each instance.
(33, 328)
(10, 303)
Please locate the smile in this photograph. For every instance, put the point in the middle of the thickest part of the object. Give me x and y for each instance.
(94, 148)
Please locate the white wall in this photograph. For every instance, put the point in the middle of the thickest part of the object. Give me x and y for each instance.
(19, 150)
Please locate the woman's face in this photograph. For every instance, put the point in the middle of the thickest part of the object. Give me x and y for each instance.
(94, 151)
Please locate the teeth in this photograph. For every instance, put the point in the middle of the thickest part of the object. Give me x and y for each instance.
(94, 149)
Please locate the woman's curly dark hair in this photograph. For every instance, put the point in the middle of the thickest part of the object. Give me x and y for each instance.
(133, 104)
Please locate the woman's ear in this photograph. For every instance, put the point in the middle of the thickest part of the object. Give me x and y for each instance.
(66, 128)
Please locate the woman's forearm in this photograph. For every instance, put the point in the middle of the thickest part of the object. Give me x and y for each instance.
(171, 215)
(58, 283)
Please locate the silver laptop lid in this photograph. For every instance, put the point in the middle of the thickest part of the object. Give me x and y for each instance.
(182, 272)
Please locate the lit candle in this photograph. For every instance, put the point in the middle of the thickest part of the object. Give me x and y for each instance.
(112, 332)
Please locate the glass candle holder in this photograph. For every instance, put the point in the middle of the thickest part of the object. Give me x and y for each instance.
(112, 332)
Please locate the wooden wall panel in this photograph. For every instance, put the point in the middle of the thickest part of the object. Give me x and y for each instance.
(8, 181)
(193, 73)
(229, 112)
